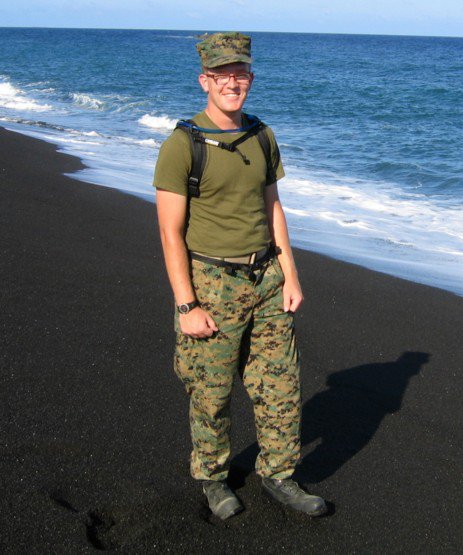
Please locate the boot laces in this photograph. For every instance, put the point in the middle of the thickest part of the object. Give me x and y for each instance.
(291, 487)
(217, 492)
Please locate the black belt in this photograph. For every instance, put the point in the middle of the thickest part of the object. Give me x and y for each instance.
(232, 267)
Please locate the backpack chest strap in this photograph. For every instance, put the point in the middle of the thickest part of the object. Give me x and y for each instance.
(198, 142)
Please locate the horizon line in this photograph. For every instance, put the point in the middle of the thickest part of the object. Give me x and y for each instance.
(223, 30)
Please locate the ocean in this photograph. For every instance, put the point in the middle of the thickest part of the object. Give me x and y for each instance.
(370, 129)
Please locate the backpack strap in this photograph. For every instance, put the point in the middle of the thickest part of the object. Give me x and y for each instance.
(199, 155)
(264, 142)
(198, 144)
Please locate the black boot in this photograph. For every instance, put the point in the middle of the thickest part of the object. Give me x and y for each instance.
(222, 501)
(290, 494)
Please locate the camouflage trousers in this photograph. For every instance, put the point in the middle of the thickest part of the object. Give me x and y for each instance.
(256, 337)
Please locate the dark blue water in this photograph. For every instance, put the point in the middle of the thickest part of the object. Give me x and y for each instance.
(370, 128)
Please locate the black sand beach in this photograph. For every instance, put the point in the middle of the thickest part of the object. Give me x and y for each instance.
(94, 429)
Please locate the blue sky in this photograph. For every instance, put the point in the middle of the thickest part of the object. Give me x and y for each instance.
(397, 17)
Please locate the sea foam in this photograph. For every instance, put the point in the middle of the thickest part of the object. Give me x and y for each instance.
(15, 99)
(377, 225)
(160, 123)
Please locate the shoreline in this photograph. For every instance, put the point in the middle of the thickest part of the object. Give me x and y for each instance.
(349, 253)
(96, 438)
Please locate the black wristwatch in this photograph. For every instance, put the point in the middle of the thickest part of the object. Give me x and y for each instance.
(185, 308)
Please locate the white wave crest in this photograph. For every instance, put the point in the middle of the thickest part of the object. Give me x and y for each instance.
(15, 99)
(160, 123)
(80, 141)
(147, 142)
(87, 101)
(39, 83)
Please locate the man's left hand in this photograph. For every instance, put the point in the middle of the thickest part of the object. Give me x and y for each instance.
(292, 296)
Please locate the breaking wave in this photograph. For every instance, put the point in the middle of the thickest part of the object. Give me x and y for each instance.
(15, 99)
(160, 123)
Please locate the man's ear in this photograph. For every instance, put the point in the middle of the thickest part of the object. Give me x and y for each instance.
(204, 82)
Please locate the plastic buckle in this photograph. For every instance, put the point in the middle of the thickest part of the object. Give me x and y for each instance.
(193, 186)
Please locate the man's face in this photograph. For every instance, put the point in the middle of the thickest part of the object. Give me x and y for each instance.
(228, 98)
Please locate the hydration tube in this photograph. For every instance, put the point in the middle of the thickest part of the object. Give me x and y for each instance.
(253, 119)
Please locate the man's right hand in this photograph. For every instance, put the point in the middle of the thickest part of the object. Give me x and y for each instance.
(197, 324)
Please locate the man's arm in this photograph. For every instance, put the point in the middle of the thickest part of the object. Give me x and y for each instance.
(172, 212)
(292, 293)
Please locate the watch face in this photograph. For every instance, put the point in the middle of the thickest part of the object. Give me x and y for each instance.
(184, 308)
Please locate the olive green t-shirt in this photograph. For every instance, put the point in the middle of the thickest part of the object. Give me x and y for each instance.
(228, 218)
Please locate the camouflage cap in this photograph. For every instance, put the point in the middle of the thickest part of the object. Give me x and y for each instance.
(224, 48)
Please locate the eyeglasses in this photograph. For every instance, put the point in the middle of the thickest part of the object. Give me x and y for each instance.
(222, 79)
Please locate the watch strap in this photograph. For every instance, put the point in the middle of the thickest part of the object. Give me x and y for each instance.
(185, 308)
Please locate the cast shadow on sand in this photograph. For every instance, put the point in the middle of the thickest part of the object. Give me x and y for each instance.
(342, 419)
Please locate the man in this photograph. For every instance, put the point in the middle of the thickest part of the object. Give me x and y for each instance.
(235, 297)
